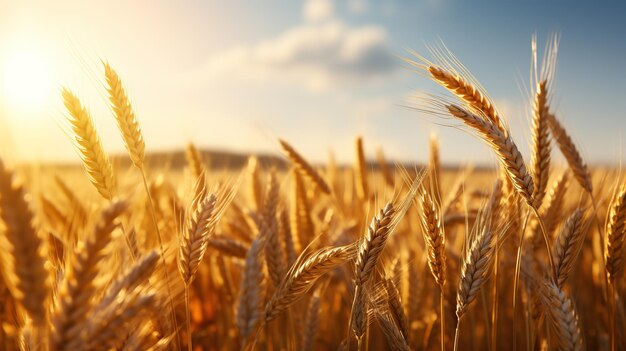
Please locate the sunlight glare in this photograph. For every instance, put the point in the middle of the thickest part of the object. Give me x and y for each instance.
(26, 79)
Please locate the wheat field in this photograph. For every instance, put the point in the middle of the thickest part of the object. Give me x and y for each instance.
(291, 255)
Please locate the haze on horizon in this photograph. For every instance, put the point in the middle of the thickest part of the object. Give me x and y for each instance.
(237, 75)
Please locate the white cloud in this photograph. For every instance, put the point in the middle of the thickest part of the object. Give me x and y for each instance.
(314, 55)
(318, 10)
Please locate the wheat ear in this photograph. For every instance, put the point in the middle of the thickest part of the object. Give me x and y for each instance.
(434, 166)
(433, 237)
(228, 246)
(110, 326)
(476, 268)
(362, 184)
(301, 223)
(22, 251)
(567, 246)
(395, 340)
(252, 290)
(396, 308)
(504, 148)
(303, 166)
(540, 160)
(569, 150)
(95, 160)
(562, 316)
(385, 170)
(467, 92)
(78, 288)
(194, 241)
(274, 253)
(369, 250)
(139, 272)
(125, 117)
(554, 205)
(616, 236)
(303, 274)
(194, 161)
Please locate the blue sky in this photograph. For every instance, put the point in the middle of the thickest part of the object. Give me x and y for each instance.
(238, 74)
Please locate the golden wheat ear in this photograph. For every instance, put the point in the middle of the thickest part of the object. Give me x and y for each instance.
(540, 160)
(303, 274)
(361, 170)
(503, 146)
(616, 236)
(22, 251)
(304, 167)
(125, 117)
(432, 229)
(252, 289)
(95, 159)
(79, 286)
(562, 317)
(567, 246)
(571, 153)
(194, 161)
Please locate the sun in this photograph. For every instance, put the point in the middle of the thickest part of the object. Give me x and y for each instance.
(26, 79)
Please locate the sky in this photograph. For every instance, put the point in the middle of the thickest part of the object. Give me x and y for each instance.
(236, 75)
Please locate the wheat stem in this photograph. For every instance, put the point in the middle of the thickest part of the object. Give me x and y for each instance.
(518, 261)
(442, 316)
(188, 315)
(162, 248)
(456, 334)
